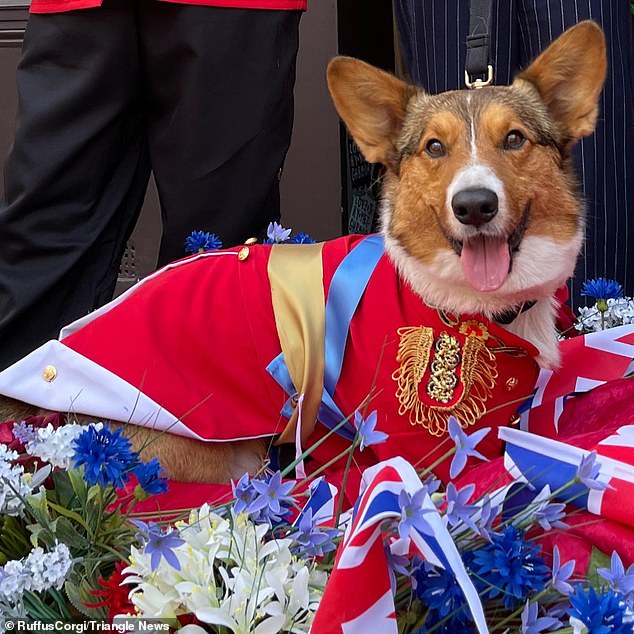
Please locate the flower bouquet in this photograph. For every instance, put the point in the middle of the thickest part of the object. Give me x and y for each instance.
(424, 557)
(610, 307)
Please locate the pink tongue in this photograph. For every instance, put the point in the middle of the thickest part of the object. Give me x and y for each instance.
(485, 262)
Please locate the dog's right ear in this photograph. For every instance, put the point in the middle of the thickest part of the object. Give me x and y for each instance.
(372, 104)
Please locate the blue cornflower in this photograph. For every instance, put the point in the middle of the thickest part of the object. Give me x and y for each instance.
(151, 477)
(276, 234)
(311, 540)
(458, 509)
(600, 613)
(271, 495)
(465, 445)
(412, 513)
(107, 456)
(440, 593)
(588, 472)
(302, 238)
(201, 241)
(244, 493)
(620, 581)
(534, 624)
(158, 543)
(561, 574)
(602, 289)
(511, 566)
(365, 428)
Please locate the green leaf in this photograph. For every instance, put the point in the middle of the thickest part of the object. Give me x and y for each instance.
(598, 559)
(78, 590)
(37, 505)
(61, 602)
(64, 492)
(70, 514)
(95, 493)
(43, 534)
(75, 540)
(41, 610)
(79, 485)
(13, 541)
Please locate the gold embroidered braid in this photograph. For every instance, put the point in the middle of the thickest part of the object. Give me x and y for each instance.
(478, 374)
(413, 353)
(443, 379)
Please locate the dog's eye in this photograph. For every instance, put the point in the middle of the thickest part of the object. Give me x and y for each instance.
(514, 140)
(435, 148)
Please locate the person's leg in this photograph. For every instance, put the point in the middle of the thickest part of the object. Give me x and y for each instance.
(76, 175)
(220, 85)
(605, 160)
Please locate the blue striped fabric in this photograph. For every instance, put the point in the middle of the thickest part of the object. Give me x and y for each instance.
(433, 35)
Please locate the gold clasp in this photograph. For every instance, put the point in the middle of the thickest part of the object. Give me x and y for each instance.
(478, 82)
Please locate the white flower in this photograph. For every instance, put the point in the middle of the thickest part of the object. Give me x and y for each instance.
(13, 487)
(298, 592)
(39, 571)
(589, 319)
(232, 574)
(14, 580)
(7, 456)
(57, 446)
(620, 312)
(48, 570)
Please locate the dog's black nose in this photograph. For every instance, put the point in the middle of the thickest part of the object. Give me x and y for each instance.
(475, 206)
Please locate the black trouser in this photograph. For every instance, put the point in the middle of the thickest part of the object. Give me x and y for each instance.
(433, 34)
(202, 96)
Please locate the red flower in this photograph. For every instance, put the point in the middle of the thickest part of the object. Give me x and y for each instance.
(115, 596)
(7, 437)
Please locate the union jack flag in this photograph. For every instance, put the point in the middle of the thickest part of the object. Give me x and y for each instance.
(587, 362)
(362, 560)
(544, 461)
(321, 502)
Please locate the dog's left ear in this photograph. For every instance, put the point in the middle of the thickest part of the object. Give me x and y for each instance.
(372, 104)
(569, 77)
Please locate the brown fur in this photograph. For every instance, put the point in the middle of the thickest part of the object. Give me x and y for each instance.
(184, 459)
(552, 104)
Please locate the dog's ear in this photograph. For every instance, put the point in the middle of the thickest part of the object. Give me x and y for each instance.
(569, 77)
(372, 104)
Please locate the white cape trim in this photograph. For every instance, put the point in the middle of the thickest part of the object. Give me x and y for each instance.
(82, 386)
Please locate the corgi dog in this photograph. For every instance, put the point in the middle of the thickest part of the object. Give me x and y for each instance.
(481, 210)
(448, 312)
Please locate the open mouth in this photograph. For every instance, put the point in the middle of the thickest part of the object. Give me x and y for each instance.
(487, 260)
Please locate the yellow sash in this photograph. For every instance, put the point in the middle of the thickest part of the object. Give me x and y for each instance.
(297, 291)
